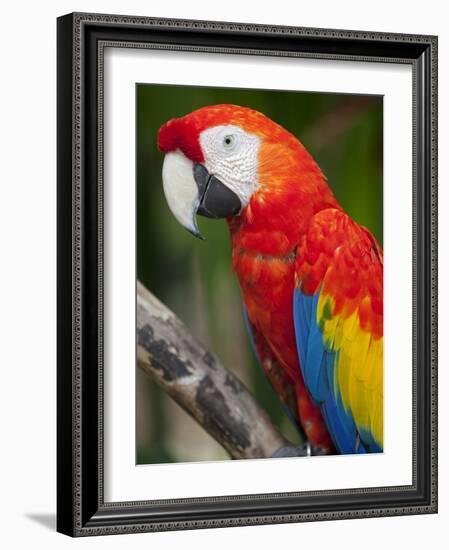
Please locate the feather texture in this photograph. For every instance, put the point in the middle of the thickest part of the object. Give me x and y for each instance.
(338, 318)
(283, 385)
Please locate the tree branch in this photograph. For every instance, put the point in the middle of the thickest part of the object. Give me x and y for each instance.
(198, 382)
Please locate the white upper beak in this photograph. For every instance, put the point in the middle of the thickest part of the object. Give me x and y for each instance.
(180, 189)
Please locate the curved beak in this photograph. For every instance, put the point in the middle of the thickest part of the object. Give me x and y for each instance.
(190, 190)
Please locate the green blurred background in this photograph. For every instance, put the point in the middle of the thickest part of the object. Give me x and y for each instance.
(194, 278)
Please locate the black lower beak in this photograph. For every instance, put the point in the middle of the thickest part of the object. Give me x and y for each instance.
(215, 199)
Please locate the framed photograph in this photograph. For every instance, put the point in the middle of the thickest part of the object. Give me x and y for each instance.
(247, 279)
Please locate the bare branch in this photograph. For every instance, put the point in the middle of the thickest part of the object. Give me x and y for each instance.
(198, 382)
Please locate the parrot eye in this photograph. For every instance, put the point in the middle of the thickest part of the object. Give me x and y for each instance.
(229, 142)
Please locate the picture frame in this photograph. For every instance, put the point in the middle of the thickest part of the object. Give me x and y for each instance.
(81, 506)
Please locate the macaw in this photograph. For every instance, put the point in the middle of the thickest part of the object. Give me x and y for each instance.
(311, 278)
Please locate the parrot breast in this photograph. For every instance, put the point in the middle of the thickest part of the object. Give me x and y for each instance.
(267, 285)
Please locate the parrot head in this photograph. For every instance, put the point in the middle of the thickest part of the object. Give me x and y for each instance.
(226, 161)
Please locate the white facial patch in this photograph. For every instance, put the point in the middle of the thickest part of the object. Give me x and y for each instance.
(231, 155)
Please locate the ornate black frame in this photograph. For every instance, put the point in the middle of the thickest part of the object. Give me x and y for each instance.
(81, 509)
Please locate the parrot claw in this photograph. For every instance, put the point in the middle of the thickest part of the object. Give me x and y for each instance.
(300, 450)
(292, 450)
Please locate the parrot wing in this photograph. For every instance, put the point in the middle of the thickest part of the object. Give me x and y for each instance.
(273, 370)
(338, 315)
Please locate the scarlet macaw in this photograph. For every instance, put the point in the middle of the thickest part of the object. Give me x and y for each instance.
(311, 277)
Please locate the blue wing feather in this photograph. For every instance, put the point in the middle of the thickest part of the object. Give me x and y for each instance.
(317, 367)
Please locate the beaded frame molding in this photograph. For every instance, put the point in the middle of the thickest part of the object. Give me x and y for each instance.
(81, 510)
